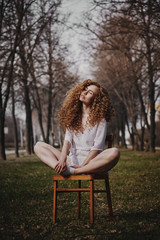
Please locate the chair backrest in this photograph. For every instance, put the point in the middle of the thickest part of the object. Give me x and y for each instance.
(109, 140)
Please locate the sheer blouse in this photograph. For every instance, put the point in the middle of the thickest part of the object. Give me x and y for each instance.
(93, 138)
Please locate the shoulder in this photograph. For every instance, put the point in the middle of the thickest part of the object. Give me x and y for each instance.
(103, 123)
(68, 131)
(101, 126)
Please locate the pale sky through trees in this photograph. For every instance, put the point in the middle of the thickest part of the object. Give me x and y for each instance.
(76, 36)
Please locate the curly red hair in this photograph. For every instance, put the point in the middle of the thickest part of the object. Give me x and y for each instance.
(70, 114)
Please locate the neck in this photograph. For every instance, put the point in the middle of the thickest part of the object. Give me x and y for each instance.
(85, 109)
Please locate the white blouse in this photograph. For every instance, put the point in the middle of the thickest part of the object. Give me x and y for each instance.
(93, 138)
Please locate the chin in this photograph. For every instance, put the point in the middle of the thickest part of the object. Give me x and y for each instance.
(81, 98)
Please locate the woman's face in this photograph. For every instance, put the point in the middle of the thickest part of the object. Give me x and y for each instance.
(88, 94)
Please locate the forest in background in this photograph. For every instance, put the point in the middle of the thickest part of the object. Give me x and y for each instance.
(123, 45)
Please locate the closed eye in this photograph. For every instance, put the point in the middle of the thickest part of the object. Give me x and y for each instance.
(90, 92)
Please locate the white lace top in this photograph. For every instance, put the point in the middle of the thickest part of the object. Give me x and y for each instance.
(93, 138)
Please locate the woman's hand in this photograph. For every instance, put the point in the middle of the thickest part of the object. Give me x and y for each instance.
(61, 166)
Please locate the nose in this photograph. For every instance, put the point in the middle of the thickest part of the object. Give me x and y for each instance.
(85, 92)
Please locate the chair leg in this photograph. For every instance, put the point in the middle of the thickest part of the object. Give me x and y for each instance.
(79, 199)
(55, 201)
(110, 210)
(91, 201)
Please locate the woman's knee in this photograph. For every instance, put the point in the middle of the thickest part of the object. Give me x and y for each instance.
(115, 152)
(112, 154)
(38, 146)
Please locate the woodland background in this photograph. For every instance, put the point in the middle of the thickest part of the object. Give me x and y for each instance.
(36, 69)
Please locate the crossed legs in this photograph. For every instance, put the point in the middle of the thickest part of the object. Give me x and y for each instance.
(103, 162)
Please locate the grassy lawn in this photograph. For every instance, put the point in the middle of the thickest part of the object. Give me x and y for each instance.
(26, 193)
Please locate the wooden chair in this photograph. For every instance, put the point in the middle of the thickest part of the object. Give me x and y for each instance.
(91, 190)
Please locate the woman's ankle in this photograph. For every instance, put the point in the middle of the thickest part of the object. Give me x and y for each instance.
(68, 171)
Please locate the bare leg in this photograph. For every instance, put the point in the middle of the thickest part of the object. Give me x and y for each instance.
(47, 154)
(101, 163)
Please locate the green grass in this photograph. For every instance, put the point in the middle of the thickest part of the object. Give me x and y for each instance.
(26, 193)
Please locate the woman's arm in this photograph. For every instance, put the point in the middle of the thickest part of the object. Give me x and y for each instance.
(61, 165)
(92, 154)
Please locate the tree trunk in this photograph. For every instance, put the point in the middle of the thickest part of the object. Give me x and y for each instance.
(15, 124)
(142, 138)
(50, 72)
(142, 105)
(151, 80)
(29, 130)
(2, 136)
(152, 119)
(36, 99)
(123, 140)
(151, 99)
(116, 137)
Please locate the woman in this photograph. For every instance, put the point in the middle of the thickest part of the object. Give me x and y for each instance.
(84, 115)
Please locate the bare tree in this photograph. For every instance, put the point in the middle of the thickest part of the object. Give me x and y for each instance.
(22, 26)
(10, 29)
(48, 70)
(145, 14)
(34, 25)
(14, 120)
(129, 48)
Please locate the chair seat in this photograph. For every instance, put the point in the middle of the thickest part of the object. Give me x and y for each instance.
(80, 177)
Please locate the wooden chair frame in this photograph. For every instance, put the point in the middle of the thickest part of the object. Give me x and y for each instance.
(91, 190)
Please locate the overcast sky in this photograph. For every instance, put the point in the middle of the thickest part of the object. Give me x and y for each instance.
(75, 38)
